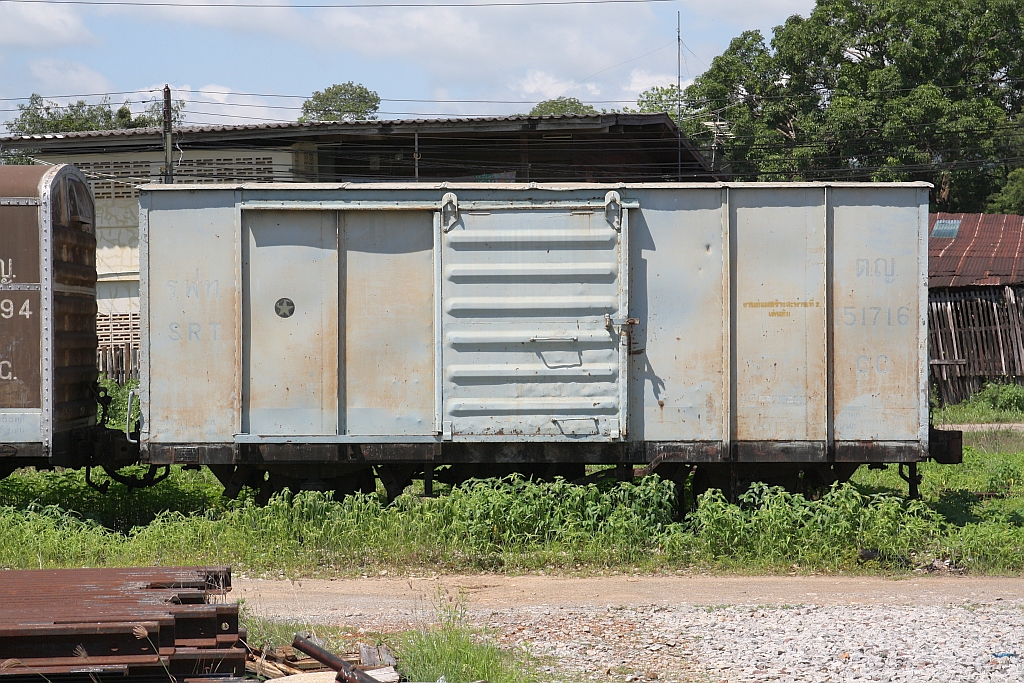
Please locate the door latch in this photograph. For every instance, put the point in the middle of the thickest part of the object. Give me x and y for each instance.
(613, 209)
(449, 211)
(621, 326)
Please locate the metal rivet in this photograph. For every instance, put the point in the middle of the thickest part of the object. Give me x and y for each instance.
(284, 307)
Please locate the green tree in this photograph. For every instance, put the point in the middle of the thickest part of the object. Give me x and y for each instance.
(660, 99)
(341, 102)
(561, 105)
(40, 116)
(871, 89)
(1010, 199)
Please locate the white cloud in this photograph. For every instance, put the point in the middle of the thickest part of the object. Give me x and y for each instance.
(541, 85)
(217, 104)
(640, 80)
(41, 26)
(537, 54)
(56, 76)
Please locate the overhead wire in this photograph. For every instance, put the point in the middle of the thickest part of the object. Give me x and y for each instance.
(362, 5)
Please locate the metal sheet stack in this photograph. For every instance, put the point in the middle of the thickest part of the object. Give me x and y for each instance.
(149, 624)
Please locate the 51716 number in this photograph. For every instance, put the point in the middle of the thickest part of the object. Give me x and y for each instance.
(876, 315)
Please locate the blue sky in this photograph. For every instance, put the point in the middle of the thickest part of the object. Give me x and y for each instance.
(213, 57)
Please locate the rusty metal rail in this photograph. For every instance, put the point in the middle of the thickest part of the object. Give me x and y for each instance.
(159, 624)
(346, 672)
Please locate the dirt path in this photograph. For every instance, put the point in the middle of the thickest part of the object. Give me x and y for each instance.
(324, 601)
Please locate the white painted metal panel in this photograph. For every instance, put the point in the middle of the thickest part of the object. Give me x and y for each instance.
(191, 333)
(388, 292)
(533, 308)
(876, 287)
(290, 314)
(678, 279)
(779, 314)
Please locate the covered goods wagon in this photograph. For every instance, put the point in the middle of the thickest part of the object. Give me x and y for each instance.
(316, 331)
(47, 314)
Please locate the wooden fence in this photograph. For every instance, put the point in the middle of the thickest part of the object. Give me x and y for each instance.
(118, 354)
(975, 336)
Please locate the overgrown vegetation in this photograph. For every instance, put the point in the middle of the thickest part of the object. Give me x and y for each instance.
(118, 409)
(459, 652)
(267, 634)
(971, 515)
(994, 403)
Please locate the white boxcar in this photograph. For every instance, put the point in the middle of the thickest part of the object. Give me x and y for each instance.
(441, 323)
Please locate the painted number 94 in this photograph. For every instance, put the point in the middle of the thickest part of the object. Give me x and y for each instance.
(875, 315)
(7, 309)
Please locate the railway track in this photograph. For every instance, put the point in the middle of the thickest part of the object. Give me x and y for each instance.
(154, 624)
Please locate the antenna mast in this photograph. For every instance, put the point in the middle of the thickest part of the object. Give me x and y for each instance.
(679, 104)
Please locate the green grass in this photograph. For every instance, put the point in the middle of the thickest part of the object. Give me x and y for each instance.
(460, 653)
(452, 647)
(995, 403)
(266, 634)
(971, 515)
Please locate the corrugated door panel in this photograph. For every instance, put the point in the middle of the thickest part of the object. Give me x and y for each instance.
(875, 294)
(528, 350)
(290, 314)
(779, 314)
(388, 290)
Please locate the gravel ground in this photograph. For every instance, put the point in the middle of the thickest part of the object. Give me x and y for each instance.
(806, 629)
(806, 643)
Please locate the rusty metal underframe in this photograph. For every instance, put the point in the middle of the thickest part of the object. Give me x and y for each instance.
(449, 453)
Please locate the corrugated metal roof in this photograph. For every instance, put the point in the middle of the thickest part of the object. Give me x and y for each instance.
(331, 126)
(987, 249)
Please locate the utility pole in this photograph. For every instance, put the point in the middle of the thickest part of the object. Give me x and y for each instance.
(168, 150)
(679, 104)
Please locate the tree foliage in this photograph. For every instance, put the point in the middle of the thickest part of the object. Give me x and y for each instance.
(341, 102)
(1010, 199)
(41, 116)
(561, 105)
(870, 90)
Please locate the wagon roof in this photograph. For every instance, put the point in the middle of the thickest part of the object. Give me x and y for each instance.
(21, 181)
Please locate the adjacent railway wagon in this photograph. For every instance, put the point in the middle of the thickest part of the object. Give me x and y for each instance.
(324, 333)
(47, 315)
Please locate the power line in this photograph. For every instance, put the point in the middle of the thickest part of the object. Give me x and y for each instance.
(279, 5)
(833, 92)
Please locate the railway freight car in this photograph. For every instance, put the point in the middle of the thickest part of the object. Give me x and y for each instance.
(48, 393)
(47, 315)
(317, 336)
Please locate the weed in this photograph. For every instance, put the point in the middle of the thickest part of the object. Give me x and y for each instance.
(994, 403)
(458, 652)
